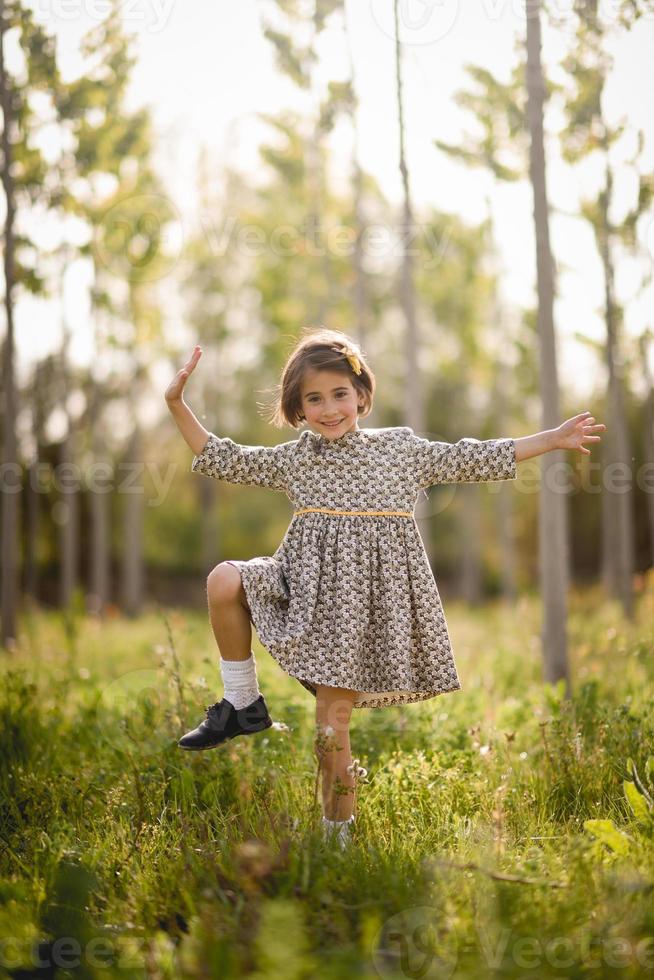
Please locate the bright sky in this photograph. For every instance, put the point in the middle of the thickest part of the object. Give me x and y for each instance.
(205, 69)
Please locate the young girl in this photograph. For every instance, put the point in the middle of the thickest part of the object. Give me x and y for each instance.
(348, 604)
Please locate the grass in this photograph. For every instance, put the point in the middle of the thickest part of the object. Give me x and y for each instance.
(502, 830)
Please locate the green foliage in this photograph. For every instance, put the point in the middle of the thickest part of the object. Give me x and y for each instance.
(499, 111)
(212, 864)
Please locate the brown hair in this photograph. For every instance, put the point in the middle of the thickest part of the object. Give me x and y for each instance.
(318, 349)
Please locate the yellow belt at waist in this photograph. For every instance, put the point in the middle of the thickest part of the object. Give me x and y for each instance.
(355, 513)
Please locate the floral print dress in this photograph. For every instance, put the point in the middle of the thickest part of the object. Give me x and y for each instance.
(349, 599)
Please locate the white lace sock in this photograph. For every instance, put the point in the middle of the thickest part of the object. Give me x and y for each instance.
(240, 681)
(337, 830)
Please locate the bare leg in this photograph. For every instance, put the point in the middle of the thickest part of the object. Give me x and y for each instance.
(229, 612)
(334, 710)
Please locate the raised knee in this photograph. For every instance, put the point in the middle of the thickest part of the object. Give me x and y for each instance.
(224, 583)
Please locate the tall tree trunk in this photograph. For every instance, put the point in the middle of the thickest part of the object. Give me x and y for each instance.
(500, 398)
(99, 536)
(609, 542)
(553, 545)
(68, 522)
(70, 492)
(132, 551)
(9, 520)
(360, 292)
(505, 508)
(316, 179)
(621, 504)
(32, 514)
(413, 388)
(414, 406)
(100, 497)
(648, 439)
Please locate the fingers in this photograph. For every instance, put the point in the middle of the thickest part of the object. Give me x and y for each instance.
(585, 418)
(192, 361)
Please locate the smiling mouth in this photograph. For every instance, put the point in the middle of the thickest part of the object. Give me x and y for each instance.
(332, 425)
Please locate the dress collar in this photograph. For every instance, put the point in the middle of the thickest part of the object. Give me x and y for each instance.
(321, 443)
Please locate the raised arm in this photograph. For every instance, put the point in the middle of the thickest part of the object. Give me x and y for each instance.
(192, 430)
(571, 434)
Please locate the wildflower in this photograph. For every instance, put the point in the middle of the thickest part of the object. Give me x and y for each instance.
(356, 770)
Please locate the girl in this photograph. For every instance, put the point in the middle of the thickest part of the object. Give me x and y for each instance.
(348, 604)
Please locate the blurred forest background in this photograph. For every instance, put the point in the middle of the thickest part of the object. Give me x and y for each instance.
(100, 510)
(510, 814)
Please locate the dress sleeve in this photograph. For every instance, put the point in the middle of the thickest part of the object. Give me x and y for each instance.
(263, 466)
(466, 461)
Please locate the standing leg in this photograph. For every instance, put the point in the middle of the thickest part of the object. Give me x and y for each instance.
(332, 746)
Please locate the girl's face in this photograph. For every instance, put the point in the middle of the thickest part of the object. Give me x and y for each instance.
(329, 396)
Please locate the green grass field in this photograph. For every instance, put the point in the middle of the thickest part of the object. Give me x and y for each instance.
(500, 831)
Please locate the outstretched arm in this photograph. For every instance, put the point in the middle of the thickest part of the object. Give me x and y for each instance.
(571, 434)
(192, 430)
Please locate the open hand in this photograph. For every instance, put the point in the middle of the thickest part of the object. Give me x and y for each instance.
(176, 387)
(572, 433)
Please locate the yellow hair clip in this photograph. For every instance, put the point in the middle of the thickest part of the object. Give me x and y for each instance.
(355, 363)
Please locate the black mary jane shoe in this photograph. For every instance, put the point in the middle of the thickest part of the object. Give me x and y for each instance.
(223, 722)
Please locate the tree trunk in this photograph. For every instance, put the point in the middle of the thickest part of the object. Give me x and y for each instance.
(414, 406)
(132, 557)
(316, 230)
(68, 522)
(100, 498)
(621, 503)
(32, 514)
(100, 537)
(505, 509)
(609, 543)
(70, 491)
(360, 292)
(648, 440)
(9, 519)
(553, 548)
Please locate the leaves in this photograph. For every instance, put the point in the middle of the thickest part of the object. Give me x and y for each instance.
(607, 833)
(637, 803)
